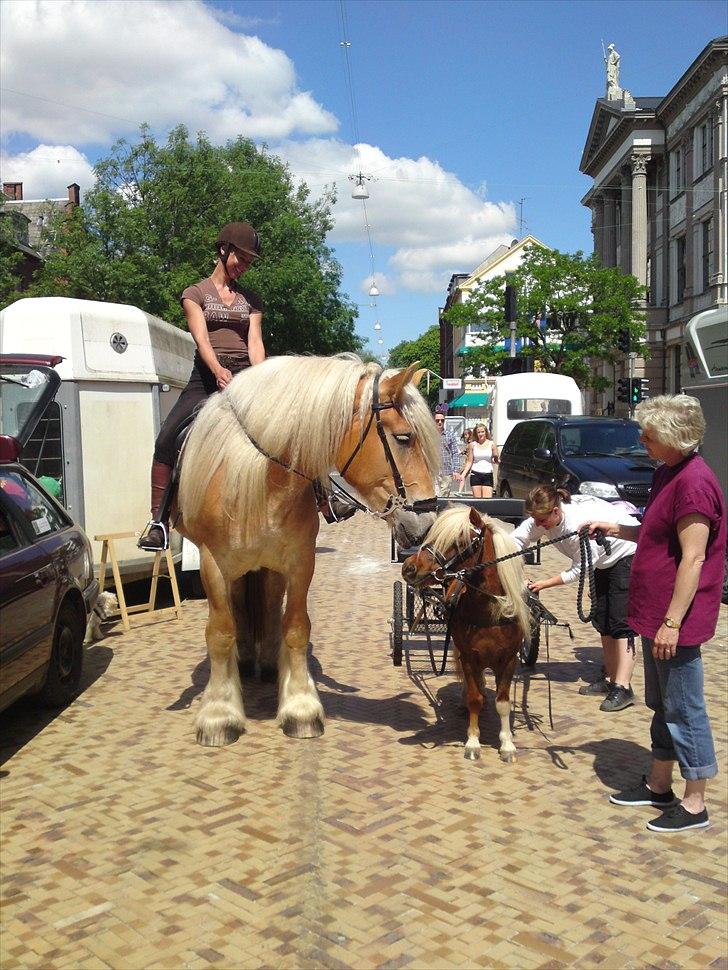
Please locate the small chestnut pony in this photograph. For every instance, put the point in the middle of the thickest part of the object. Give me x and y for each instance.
(246, 499)
(490, 618)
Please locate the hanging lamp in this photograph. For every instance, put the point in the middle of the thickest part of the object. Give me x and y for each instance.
(377, 325)
(373, 291)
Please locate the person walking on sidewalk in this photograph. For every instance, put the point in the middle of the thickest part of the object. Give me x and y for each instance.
(480, 458)
(554, 513)
(674, 601)
(226, 324)
(449, 458)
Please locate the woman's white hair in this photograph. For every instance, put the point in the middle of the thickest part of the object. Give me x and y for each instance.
(676, 419)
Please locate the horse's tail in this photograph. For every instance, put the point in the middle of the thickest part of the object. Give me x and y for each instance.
(510, 574)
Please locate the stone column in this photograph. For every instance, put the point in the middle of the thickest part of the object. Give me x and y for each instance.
(609, 256)
(720, 219)
(626, 221)
(597, 223)
(639, 217)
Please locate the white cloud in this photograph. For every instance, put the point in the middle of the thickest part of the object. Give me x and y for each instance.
(84, 71)
(436, 224)
(47, 170)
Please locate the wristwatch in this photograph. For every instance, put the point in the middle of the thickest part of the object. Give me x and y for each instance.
(671, 624)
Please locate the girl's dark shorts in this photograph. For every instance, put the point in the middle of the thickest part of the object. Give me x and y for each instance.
(610, 604)
(200, 386)
(481, 478)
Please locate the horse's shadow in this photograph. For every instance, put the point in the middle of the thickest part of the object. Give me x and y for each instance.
(341, 702)
(616, 760)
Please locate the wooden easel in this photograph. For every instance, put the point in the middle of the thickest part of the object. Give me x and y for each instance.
(108, 554)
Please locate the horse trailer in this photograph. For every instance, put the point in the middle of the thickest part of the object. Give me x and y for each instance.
(121, 373)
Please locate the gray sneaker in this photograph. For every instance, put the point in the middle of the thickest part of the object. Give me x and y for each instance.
(617, 699)
(598, 687)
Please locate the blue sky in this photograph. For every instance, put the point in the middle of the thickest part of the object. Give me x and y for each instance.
(463, 108)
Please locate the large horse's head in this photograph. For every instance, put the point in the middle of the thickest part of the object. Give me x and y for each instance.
(390, 454)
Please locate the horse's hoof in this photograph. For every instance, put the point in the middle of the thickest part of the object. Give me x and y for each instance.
(310, 728)
(472, 754)
(268, 674)
(247, 669)
(509, 757)
(219, 736)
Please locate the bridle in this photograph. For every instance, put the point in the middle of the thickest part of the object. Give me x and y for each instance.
(447, 568)
(394, 502)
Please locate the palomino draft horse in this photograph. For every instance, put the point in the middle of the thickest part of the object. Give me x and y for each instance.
(246, 498)
(490, 617)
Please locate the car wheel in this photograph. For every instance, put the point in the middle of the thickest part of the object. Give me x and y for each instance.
(506, 490)
(66, 663)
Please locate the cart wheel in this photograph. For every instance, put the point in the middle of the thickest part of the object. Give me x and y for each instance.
(397, 625)
(529, 648)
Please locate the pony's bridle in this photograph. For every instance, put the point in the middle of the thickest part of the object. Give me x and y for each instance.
(400, 500)
(447, 568)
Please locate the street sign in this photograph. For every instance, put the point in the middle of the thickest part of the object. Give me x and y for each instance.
(452, 383)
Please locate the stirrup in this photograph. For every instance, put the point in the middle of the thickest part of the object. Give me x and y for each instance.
(336, 513)
(144, 543)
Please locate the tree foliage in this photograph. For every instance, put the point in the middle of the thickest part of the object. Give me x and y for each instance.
(147, 230)
(584, 303)
(425, 349)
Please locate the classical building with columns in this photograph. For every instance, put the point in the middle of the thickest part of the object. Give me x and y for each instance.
(659, 202)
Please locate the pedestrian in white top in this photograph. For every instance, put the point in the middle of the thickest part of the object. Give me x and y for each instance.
(553, 513)
(482, 454)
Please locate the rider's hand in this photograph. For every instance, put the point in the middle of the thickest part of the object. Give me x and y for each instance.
(223, 378)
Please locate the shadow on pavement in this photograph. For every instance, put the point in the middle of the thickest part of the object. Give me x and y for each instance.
(617, 762)
(25, 719)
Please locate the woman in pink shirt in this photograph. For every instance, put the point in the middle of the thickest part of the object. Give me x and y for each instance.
(674, 600)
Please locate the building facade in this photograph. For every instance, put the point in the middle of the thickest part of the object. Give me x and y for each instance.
(658, 201)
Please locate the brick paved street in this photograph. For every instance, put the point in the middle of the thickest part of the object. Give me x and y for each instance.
(126, 845)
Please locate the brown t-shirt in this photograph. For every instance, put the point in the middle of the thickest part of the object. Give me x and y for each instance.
(227, 326)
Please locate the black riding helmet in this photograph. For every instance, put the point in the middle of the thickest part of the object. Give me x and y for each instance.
(242, 236)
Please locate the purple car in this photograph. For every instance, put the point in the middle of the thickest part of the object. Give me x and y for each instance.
(47, 585)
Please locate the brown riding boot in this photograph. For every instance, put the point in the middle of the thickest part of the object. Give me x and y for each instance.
(155, 537)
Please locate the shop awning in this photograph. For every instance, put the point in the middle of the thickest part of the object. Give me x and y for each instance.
(469, 400)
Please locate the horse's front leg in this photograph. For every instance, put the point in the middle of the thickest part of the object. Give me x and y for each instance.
(474, 701)
(300, 712)
(503, 680)
(221, 717)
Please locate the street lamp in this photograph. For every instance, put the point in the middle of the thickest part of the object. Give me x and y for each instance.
(360, 191)
(373, 291)
(377, 325)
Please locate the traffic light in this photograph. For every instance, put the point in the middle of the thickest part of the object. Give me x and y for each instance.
(624, 341)
(639, 389)
(624, 390)
(516, 365)
(511, 304)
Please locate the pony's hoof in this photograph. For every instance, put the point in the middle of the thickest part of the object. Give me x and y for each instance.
(509, 757)
(472, 754)
(218, 737)
(310, 728)
(268, 674)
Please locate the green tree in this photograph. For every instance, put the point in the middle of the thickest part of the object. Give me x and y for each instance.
(425, 349)
(584, 303)
(147, 230)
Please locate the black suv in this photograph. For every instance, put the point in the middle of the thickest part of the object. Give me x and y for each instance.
(602, 457)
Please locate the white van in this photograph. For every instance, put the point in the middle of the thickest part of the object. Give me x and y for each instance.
(122, 371)
(518, 397)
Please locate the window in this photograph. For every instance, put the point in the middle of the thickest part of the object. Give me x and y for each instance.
(43, 452)
(677, 171)
(703, 150)
(534, 407)
(44, 517)
(8, 539)
(530, 437)
(680, 267)
(707, 234)
(676, 376)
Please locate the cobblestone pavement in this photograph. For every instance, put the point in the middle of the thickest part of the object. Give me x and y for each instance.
(125, 845)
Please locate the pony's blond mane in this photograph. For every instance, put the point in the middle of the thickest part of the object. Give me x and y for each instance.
(297, 409)
(452, 530)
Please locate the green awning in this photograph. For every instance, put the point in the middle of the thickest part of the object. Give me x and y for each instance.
(470, 400)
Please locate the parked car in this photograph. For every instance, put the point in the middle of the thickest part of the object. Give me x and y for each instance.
(47, 586)
(602, 457)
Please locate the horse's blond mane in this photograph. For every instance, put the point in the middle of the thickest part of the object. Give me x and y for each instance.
(297, 409)
(452, 530)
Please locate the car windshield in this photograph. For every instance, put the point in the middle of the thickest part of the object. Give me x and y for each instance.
(601, 440)
(21, 391)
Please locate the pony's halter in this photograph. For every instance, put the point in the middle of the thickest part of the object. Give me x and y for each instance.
(398, 501)
(448, 567)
